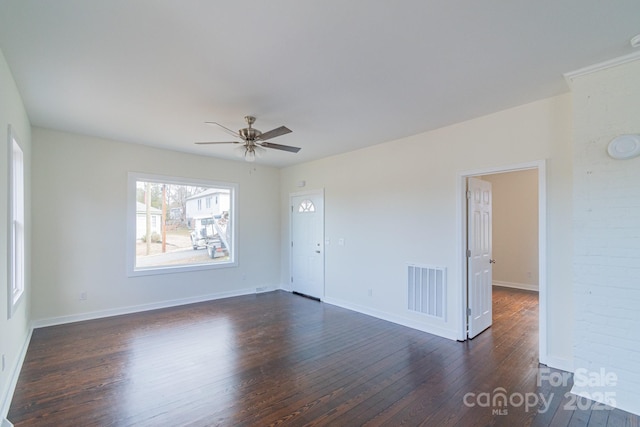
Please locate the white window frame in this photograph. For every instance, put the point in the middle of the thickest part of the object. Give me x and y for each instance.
(133, 177)
(16, 224)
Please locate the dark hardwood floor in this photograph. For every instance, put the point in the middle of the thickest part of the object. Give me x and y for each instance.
(281, 359)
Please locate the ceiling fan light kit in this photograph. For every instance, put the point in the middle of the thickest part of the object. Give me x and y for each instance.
(254, 141)
(249, 152)
(250, 155)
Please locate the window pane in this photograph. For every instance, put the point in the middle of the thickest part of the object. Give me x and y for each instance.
(18, 264)
(306, 206)
(174, 228)
(17, 255)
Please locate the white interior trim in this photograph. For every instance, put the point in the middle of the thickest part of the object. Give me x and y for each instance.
(52, 321)
(13, 379)
(393, 318)
(523, 286)
(572, 75)
(461, 215)
(132, 178)
(15, 284)
(560, 363)
(542, 261)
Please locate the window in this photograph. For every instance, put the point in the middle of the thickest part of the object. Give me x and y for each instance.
(16, 230)
(306, 206)
(159, 242)
(208, 202)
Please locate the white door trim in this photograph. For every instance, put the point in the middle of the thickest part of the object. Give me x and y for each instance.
(318, 192)
(461, 247)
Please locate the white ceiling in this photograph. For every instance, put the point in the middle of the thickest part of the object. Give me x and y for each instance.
(341, 74)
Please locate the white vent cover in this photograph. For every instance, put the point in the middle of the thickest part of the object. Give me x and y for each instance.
(426, 286)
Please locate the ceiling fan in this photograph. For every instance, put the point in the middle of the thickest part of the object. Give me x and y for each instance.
(253, 141)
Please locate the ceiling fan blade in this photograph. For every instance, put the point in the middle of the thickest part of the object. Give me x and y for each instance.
(229, 131)
(218, 142)
(282, 130)
(280, 147)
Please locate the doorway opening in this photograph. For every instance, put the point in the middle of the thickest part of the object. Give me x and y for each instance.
(529, 272)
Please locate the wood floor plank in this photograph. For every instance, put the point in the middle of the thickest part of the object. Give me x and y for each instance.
(279, 359)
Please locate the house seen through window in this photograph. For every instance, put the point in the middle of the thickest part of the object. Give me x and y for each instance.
(174, 230)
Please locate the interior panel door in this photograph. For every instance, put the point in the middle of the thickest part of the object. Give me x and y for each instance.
(479, 252)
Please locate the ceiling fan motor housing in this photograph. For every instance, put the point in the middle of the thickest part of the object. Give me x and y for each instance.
(249, 134)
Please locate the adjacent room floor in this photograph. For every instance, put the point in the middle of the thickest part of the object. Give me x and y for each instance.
(277, 358)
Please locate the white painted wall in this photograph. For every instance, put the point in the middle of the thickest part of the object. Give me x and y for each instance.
(515, 228)
(395, 203)
(606, 220)
(80, 194)
(14, 331)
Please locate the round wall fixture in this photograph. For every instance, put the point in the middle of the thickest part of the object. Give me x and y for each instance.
(624, 147)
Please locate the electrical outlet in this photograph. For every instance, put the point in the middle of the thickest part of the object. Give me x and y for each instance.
(83, 296)
(529, 274)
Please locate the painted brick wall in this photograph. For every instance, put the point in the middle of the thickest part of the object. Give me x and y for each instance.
(606, 261)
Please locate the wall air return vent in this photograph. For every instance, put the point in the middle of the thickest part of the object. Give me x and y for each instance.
(426, 286)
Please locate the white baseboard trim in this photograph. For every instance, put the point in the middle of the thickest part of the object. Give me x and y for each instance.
(627, 402)
(525, 286)
(410, 323)
(13, 381)
(285, 288)
(52, 321)
(559, 363)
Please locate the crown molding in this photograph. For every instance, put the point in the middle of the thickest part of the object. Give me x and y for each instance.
(572, 75)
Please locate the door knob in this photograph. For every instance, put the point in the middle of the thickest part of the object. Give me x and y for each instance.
(317, 252)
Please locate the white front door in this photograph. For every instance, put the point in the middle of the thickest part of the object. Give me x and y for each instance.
(307, 244)
(479, 281)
